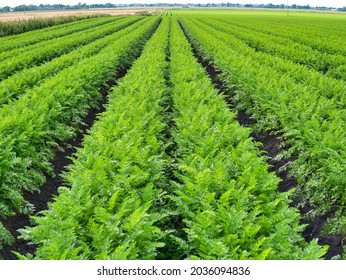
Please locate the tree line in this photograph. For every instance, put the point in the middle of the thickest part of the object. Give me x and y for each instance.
(48, 7)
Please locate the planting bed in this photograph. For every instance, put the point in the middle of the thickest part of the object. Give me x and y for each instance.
(179, 136)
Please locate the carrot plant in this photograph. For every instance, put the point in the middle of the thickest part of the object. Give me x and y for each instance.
(322, 84)
(20, 82)
(166, 172)
(310, 115)
(33, 37)
(25, 26)
(324, 33)
(21, 58)
(283, 47)
(228, 200)
(32, 126)
(112, 202)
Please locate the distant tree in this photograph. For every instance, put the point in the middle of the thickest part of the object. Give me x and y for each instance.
(21, 8)
(109, 5)
(82, 6)
(32, 8)
(6, 9)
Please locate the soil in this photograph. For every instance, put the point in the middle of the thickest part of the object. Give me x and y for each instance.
(50, 189)
(271, 144)
(12, 16)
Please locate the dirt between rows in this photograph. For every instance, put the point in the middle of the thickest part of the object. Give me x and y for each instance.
(49, 189)
(271, 145)
(13, 16)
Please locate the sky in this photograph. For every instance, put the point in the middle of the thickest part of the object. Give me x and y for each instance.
(326, 3)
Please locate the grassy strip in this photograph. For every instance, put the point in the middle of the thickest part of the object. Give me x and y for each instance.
(14, 42)
(312, 122)
(228, 200)
(32, 126)
(19, 83)
(117, 179)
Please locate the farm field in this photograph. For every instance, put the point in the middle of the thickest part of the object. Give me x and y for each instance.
(193, 134)
(4, 17)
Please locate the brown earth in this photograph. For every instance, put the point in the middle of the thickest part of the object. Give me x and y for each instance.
(49, 189)
(271, 144)
(46, 14)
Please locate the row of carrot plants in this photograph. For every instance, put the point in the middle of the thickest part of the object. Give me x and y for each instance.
(229, 202)
(124, 191)
(32, 47)
(33, 125)
(324, 33)
(25, 26)
(33, 37)
(326, 87)
(17, 84)
(311, 115)
(18, 59)
(112, 201)
(331, 64)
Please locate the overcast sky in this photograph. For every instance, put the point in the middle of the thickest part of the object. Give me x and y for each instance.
(331, 3)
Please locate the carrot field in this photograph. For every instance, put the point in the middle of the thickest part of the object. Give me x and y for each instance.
(191, 134)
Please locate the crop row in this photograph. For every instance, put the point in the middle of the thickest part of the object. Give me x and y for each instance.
(125, 190)
(116, 180)
(32, 126)
(293, 73)
(311, 115)
(10, 54)
(36, 54)
(285, 48)
(18, 27)
(324, 34)
(229, 201)
(33, 37)
(16, 85)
